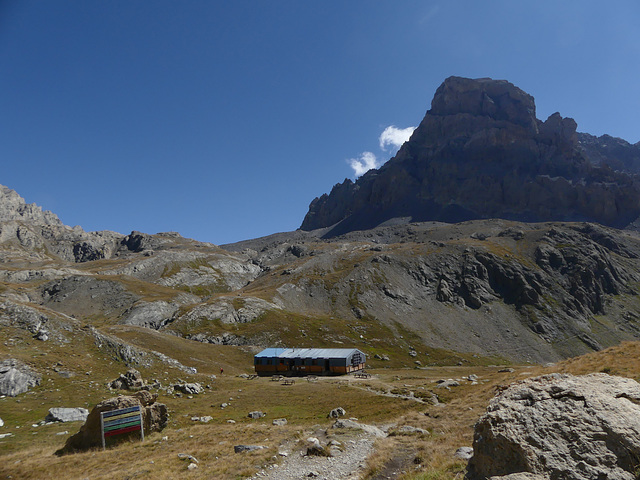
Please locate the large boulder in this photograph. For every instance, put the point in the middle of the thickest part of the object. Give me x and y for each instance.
(16, 378)
(561, 426)
(154, 418)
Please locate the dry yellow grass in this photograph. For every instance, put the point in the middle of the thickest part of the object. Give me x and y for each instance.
(29, 453)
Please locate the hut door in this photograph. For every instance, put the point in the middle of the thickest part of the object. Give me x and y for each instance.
(326, 365)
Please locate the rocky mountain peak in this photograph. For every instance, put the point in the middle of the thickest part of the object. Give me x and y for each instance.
(497, 99)
(480, 152)
(14, 207)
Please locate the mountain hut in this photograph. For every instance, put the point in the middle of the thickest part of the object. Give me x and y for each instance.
(309, 361)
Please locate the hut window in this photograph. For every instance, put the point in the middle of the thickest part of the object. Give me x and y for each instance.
(356, 359)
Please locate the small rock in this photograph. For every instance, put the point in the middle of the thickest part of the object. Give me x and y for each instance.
(506, 370)
(464, 453)
(256, 414)
(410, 429)
(313, 474)
(279, 421)
(1, 423)
(42, 335)
(192, 466)
(206, 419)
(231, 421)
(337, 413)
(473, 377)
(317, 450)
(448, 383)
(186, 456)
(246, 448)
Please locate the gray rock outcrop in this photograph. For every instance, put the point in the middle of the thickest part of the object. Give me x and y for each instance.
(16, 378)
(153, 315)
(66, 414)
(561, 426)
(189, 388)
(14, 207)
(131, 380)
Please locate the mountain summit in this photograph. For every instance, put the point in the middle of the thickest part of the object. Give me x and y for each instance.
(480, 152)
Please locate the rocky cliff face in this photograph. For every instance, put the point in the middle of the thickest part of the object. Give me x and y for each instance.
(480, 152)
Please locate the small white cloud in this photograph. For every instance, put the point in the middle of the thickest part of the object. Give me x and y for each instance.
(394, 137)
(361, 165)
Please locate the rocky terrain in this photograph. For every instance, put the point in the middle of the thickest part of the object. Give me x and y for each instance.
(420, 293)
(480, 152)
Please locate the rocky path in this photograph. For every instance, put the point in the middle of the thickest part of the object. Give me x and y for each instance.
(348, 465)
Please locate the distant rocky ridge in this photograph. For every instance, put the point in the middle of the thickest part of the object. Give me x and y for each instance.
(616, 153)
(14, 207)
(480, 152)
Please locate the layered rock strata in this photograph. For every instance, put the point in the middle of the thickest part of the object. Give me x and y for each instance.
(480, 152)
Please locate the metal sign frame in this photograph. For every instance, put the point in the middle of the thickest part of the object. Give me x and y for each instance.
(118, 422)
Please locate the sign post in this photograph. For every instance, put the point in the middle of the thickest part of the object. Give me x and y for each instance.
(117, 422)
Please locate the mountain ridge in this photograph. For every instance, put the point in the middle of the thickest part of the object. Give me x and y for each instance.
(480, 152)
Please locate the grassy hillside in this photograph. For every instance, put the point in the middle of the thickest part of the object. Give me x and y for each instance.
(384, 399)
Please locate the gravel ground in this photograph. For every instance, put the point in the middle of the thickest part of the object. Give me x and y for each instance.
(346, 466)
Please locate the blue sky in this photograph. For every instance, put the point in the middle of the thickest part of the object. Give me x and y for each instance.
(223, 119)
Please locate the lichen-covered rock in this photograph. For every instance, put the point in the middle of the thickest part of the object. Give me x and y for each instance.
(154, 418)
(562, 426)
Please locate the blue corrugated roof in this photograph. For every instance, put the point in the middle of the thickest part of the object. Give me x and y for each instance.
(271, 352)
(307, 352)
